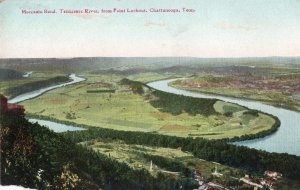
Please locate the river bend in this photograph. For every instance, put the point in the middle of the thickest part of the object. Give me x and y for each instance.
(285, 140)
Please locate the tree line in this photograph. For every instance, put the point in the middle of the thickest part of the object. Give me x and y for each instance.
(35, 157)
(220, 151)
(35, 85)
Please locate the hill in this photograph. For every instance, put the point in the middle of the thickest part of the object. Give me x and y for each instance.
(10, 74)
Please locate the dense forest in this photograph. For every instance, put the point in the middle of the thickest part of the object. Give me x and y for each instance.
(251, 160)
(177, 104)
(172, 103)
(33, 156)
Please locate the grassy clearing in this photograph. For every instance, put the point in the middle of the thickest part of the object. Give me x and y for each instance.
(137, 157)
(125, 110)
(133, 155)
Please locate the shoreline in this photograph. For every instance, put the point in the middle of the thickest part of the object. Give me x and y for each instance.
(236, 97)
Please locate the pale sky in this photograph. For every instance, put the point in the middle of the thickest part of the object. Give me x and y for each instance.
(217, 28)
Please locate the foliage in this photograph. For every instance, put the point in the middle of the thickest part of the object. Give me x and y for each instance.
(212, 150)
(136, 87)
(173, 103)
(35, 85)
(177, 104)
(33, 156)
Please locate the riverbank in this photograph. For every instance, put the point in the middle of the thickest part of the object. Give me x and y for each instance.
(112, 103)
(30, 95)
(230, 93)
(252, 160)
(36, 85)
(157, 142)
(284, 140)
(134, 107)
(35, 157)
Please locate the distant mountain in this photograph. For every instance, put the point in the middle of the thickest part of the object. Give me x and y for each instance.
(9, 74)
(126, 63)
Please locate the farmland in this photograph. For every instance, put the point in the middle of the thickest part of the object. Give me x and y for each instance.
(281, 90)
(126, 110)
(131, 125)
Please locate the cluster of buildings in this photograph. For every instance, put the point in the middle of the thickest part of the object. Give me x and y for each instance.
(208, 185)
(10, 108)
(291, 87)
(270, 179)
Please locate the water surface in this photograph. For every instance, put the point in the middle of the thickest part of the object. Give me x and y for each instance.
(56, 127)
(285, 140)
(33, 94)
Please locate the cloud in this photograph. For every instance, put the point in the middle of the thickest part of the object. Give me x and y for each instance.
(231, 26)
(154, 24)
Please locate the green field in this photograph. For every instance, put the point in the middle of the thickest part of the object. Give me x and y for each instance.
(103, 101)
(134, 156)
(125, 110)
(139, 157)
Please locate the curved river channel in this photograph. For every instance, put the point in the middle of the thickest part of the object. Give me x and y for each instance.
(56, 127)
(33, 94)
(285, 140)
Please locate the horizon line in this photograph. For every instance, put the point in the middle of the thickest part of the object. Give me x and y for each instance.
(242, 57)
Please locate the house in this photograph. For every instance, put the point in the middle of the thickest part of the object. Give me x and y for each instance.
(10, 108)
(248, 181)
(235, 124)
(273, 174)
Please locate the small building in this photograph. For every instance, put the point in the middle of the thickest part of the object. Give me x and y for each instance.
(235, 124)
(273, 174)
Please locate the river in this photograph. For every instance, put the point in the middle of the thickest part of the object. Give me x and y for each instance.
(285, 140)
(56, 127)
(33, 94)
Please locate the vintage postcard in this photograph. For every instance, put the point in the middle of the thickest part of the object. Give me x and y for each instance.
(150, 94)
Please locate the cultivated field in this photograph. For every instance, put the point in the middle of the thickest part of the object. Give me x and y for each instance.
(125, 110)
